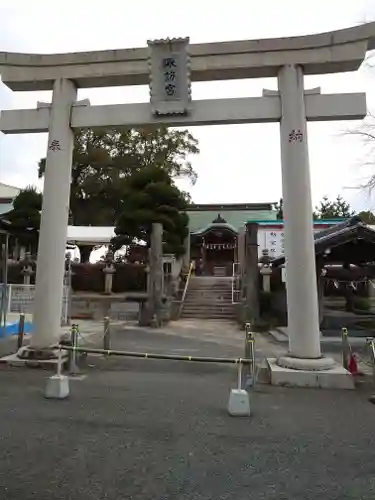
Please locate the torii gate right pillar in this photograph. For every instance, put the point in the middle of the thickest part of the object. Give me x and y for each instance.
(302, 298)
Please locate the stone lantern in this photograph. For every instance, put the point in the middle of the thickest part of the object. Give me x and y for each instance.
(266, 270)
(265, 258)
(68, 269)
(109, 270)
(27, 269)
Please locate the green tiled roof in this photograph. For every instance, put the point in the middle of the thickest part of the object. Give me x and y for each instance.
(237, 218)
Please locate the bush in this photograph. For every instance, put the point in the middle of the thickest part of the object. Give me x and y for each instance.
(90, 278)
(130, 278)
(361, 304)
(15, 275)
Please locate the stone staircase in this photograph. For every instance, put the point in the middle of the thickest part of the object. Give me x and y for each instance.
(209, 298)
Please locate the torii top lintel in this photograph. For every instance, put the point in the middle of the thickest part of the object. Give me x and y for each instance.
(331, 52)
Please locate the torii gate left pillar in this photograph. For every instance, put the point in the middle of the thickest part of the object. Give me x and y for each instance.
(54, 219)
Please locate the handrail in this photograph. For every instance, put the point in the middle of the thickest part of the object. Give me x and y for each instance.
(191, 267)
(235, 281)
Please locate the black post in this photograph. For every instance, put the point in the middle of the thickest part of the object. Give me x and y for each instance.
(21, 331)
(4, 275)
(107, 334)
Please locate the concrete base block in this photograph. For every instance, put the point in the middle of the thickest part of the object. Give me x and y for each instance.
(57, 387)
(32, 354)
(15, 360)
(334, 378)
(311, 365)
(239, 404)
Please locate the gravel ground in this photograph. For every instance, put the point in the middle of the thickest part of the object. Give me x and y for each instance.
(146, 429)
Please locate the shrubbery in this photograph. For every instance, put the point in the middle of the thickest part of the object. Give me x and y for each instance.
(90, 277)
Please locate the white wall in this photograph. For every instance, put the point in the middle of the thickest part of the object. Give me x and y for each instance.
(8, 191)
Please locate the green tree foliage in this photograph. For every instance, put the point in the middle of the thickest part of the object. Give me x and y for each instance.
(103, 160)
(25, 216)
(367, 217)
(150, 195)
(338, 208)
(279, 209)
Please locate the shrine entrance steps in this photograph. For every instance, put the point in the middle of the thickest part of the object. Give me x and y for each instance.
(209, 297)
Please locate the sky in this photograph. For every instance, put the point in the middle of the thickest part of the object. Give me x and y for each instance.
(237, 163)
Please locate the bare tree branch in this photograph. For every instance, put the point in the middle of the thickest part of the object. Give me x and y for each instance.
(365, 132)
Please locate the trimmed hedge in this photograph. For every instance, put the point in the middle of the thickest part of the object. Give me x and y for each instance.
(90, 277)
(15, 273)
(127, 278)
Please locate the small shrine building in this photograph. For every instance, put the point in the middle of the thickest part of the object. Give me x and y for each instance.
(214, 233)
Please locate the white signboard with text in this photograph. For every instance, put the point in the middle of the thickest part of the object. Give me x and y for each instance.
(273, 240)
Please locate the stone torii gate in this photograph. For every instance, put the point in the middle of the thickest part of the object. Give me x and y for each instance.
(169, 66)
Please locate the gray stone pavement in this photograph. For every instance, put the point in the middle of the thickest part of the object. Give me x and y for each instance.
(139, 429)
(154, 429)
(210, 338)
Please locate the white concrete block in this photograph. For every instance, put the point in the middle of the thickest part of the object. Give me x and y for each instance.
(239, 403)
(335, 378)
(57, 387)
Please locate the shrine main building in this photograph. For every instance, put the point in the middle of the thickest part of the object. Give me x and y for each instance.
(214, 230)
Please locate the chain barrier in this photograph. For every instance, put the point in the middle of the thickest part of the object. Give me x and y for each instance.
(147, 355)
(239, 401)
(365, 355)
(351, 358)
(247, 363)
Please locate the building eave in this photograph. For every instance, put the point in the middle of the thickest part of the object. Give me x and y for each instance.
(349, 230)
(222, 207)
(214, 226)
